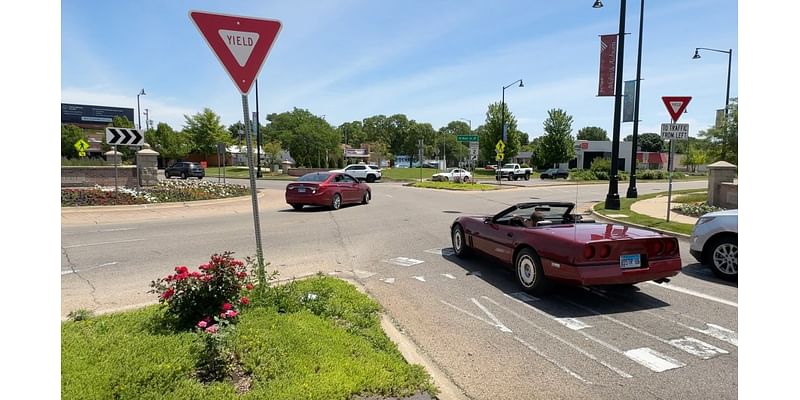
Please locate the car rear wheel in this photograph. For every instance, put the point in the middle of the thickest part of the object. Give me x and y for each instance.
(297, 206)
(370, 178)
(459, 241)
(365, 200)
(336, 203)
(724, 257)
(529, 271)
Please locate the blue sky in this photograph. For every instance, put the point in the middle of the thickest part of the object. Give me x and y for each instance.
(435, 61)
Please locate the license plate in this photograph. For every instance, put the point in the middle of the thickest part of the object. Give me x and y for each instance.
(630, 261)
(301, 190)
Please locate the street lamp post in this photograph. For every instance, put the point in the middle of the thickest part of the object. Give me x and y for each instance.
(612, 198)
(728, 90)
(470, 132)
(503, 111)
(138, 110)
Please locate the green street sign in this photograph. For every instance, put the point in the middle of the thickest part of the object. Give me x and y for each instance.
(467, 138)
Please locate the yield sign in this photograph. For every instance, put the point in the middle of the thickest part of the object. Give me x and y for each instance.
(240, 43)
(676, 105)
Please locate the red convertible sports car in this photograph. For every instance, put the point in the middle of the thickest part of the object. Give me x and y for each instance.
(545, 242)
(331, 189)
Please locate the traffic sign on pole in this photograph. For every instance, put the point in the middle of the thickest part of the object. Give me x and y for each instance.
(676, 105)
(675, 131)
(123, 137)
(240, 43)
(500, 146)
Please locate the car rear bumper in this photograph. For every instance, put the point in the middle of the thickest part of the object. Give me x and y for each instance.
(312, 199)
(610, 274)
(697, 254)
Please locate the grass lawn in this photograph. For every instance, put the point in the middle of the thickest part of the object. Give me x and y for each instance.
(329, 347)
(407, 174)
(453, 186)
(645, 220)
(242, 172)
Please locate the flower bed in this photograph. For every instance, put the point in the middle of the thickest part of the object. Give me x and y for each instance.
(162, 192)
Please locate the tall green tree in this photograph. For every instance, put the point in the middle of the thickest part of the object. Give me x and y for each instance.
(310, 139)
(491, 133)
(452, 148)
(650, 142)
(272, 152)
(71, 134)
(205, 131)
(557, 143)
(169, 144)
(725, 139)
(593, 133)
(352, 133)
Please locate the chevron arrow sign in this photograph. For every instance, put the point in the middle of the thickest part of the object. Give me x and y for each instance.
(124, 137)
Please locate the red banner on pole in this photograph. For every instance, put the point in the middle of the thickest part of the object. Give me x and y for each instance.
(608, 64)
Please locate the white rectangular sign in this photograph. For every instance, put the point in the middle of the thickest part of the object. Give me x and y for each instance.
(675, 131)
(473, 150)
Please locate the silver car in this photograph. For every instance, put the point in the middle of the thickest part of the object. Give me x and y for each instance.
(714, 242)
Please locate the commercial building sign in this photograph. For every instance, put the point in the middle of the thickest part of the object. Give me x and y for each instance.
(356, 153)
(87, 114)
(608, 65)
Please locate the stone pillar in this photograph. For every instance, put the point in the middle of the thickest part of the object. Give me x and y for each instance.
(718, 173)
(113, 157)
(147, 165)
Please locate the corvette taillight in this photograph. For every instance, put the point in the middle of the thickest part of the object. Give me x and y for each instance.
(588, 252)
(605, 251)
(670, 246)
(657, 247)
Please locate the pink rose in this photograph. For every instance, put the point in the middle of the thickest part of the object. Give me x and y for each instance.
(212, 329)
(182, 270)
(231, 313)
(168, 293)
(245, 300)
(226, 306)
(249, 286)
(202, 324)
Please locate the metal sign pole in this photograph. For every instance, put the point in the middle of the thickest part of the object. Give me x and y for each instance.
(669, 170)
(260, 273)
(115, 174)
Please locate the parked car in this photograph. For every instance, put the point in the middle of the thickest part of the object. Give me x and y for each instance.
(364, 172)
(554, 173)
(328, 189)
(185, 169)
(491, 167)
(545, 243)
(453, 175)
(513, 171)
(714, 242)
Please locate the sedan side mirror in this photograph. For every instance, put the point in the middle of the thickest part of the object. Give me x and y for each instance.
(487, 220)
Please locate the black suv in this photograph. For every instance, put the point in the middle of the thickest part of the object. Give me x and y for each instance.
(185, 169)
(554, 173)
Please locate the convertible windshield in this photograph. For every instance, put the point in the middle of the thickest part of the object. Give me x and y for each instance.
(551, 211)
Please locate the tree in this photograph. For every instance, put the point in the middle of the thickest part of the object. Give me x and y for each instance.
(205, 132)
(650, 142)
(694, 157)
(491, 132)
(70, 134)
(725, 139)
(593, 133)
(352, 133)
(272, 152)
(310, 139)
(453, 149)
(169, 144)
(234, 130)
(557, 143)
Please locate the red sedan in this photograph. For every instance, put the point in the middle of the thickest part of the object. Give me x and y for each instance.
(545, 242)
(330, 189)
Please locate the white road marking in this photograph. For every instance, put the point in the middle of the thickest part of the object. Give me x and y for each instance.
(388, 280)
(89, 269)
(419, 278)
(403, 261)
(697, 347)
(654, 360)
(447, 251)
(468, 313)
(554, 362)
(522, 296)
(448, 276)
(502, 326)
(640, 331)
(363, 274)
(102, 243)
(693, 293)
(572, 323)
(726, 335)
(554, 336)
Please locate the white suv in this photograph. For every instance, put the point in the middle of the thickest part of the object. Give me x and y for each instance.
(715, 242)
(362, 172)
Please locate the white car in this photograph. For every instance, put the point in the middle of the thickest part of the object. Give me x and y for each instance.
(453, 175)
(714, 242)
(362, 172)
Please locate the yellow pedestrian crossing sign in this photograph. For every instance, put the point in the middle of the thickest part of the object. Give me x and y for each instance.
(500, 146)
(499, 157)
(81, 146)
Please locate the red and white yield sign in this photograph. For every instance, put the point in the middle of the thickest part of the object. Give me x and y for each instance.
(240, 43)
(676, 105)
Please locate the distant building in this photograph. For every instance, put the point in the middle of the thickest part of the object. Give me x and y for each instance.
(93, 120)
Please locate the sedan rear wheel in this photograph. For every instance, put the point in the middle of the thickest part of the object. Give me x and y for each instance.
(365, 200)
(459, 241)
(529, 271)
(336, 203)
(724, 257)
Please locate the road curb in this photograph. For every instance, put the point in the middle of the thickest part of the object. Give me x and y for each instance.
(619, 221)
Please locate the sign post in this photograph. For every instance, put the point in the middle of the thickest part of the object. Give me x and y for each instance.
(241, 45)
(676, 105)
(498, 149)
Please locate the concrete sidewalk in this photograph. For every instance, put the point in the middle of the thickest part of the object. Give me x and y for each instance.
(657, 208)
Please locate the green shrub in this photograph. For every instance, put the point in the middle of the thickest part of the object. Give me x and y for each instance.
(162, 192)
(582, 175)
(601, 165)
(695, 209)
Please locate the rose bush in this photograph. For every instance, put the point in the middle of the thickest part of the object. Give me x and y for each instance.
(203, 299)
